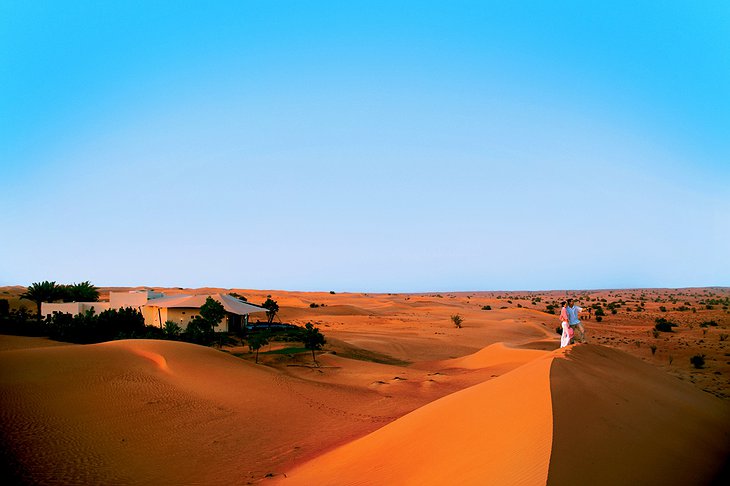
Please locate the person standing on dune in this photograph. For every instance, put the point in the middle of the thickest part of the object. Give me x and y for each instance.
(567, 331)
(573, 310)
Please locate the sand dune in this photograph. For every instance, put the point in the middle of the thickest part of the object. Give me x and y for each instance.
(619, 420)
(498, 432)
(616, 420)
(494, 355)
(166, 413)
(406, 399)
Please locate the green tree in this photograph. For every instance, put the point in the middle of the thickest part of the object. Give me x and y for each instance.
(213, 312)
(200, 328)
(312, 339)
(40, 292)
(272, 307)
(257, 341)
(80, 292)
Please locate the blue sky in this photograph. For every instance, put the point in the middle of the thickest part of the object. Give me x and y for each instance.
(365, 146)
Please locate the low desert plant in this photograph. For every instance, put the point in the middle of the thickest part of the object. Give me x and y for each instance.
(487, 307)
(457, 320)
(653, 349)
(655, 333)
(698, 361)
(599, 318)
(723, 337)
(663, 325)
(671, 359)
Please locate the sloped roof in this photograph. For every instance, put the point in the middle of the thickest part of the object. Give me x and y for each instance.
(230, 304)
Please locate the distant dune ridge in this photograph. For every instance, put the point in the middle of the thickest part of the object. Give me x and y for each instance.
(155, 412)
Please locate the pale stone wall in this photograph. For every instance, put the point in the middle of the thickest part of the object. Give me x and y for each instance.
(73, 308)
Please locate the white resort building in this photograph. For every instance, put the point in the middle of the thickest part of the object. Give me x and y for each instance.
(158, 308)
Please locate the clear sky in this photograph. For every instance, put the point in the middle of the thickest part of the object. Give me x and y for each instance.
(365, 146)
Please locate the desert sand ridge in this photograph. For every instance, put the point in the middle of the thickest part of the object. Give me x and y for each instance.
(497, 432)
(618, 420)
(158, 412)
(162, 412)
(614, 419)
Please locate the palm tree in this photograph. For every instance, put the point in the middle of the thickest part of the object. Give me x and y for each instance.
(40, 292)
(80, 292)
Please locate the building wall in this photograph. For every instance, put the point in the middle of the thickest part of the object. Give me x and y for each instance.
(154, 316)
(182, 315)
(73, 308)
(135, 299)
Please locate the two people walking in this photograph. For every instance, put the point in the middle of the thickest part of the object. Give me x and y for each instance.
(570, 323)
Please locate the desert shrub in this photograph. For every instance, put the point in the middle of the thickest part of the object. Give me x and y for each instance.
(332, 292)
(662, 308)
(723, 337)
(153, 332)
(21, 322)
(559, 330)
(519, 305)
(655, 333)
(121, 323)
(663, 325)
(708, 324)
(487, 307)
(698, 361)
(550, 309)
(671, 360)
(313, 305)
(599, 318)
(457, 320)
(198, 331)
(653, 349)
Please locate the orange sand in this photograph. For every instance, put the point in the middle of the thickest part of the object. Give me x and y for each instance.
(406, 399)
(498, 432)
